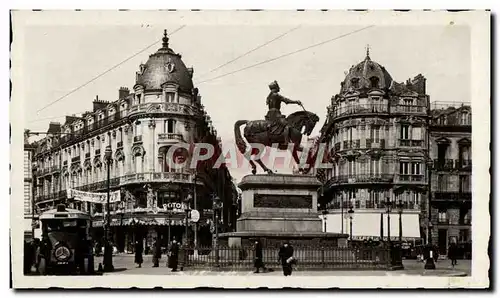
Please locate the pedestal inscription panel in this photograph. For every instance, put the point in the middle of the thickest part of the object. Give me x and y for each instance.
(282, 201)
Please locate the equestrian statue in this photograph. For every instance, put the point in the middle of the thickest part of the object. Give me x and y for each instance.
(275, 129)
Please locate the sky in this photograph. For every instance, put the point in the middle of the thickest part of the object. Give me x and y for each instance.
(58, 59)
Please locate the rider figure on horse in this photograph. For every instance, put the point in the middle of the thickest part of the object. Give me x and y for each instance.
(278, 124)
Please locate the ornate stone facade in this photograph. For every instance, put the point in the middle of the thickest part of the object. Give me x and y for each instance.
(139, 127)
(376, 132)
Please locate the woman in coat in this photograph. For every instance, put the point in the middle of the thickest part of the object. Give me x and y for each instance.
(452, 253)
(156, 253)
(285, 256)
(138, 253)
(258, 262)
(173, 256)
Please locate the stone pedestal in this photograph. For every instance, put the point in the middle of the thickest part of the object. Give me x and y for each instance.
(280, 207)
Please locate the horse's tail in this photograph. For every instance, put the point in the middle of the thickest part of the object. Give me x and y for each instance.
(240, 142)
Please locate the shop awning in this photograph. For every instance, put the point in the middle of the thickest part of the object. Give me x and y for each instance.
(366, 226)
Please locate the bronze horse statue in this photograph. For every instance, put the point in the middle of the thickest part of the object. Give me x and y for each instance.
(257, 131)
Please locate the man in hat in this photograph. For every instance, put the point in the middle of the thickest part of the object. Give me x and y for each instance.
(278, 124)
(285, 257)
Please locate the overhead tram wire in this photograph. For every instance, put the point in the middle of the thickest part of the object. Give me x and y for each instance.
(252, 50)
(285, 55)
(105, 72)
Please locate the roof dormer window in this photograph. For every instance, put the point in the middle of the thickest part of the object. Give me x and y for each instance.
(374, 82)
(355, 82)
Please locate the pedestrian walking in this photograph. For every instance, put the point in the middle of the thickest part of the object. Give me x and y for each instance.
(452, 253)
(138, 253)
(173, 256)
(285, 256)
(156, 253)
(28, 256)
(259, 261)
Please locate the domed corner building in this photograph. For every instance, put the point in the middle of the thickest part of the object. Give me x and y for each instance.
(376, 137)
(141, 127)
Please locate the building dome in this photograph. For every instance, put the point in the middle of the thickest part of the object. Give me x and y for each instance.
(165, 66)
(367, 74)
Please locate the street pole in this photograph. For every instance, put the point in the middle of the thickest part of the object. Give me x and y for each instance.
(429, 263)
(108, 250)
(195, 208)
(342, 214)
(33, 193)
(400, 226)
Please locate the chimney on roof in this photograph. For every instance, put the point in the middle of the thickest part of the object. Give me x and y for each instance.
(123, 92)
(190, 72)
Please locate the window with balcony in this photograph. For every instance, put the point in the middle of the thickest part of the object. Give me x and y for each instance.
(442, 217)
(416, 136)
(169, 126)
(375, 167)
(442, 120)
(464, 156)
(464, 183)
(404, 135)
(408, 101)
(374, 200)
(351, 168)
(464, 118)
(375, 134)
(170, 97)
(404, 168)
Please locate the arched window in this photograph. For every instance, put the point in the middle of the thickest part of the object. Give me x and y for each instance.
(374, 82)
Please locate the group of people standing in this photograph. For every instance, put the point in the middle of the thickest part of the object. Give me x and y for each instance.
(285, 258)
(172, 252)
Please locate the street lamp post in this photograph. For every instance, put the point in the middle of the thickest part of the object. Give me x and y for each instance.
(187, 201)
(325, 213)
(400, 212)
(395, 253)
(342, 214)
(429, 262)
(388, 209)
(170, 208)
(108, 250)
(350, 212)
(216, 206)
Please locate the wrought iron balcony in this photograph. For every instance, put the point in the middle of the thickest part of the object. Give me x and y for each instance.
(87, 155)
(52, 196)
(375, 144)
(166, 177)
(169, 138)
(165, 107)
(452, 196)
(354, 109)
(364, 178)
(408, 109)
(75, 159)
(411, 143)
(463, 164)
(404, 178)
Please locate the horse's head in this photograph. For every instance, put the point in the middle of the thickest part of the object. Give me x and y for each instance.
(305, 119)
